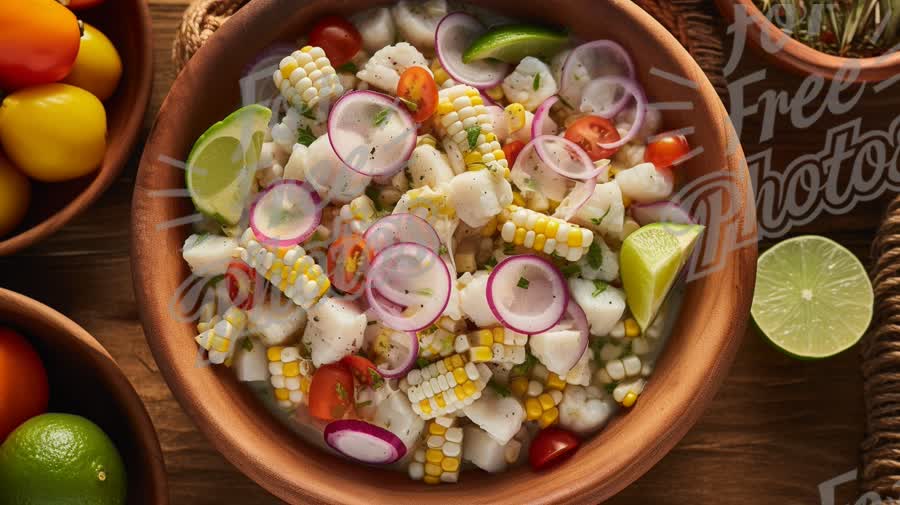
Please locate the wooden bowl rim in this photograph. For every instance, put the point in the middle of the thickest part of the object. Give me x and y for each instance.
(126, 397)
(803, 59)
(117, 155)
(318, 486)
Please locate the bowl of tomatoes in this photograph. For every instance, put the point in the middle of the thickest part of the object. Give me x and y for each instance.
(75, 79)
(54, 376)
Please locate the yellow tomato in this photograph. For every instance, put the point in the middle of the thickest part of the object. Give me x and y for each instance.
(97, 67)
(54, 132)
(15, 193)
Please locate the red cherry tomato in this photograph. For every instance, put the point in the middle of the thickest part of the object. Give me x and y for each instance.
(552, 445)
(338, 38)
(512, 150)
(591, 131)
(80, 4)
(23, 382)
(667, 150)
(348, 257)
(363, 370)
(418, 92)
(241, 279)
(331, 392)
(38, 43)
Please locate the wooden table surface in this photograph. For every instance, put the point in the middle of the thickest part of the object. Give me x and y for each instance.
(777, 428)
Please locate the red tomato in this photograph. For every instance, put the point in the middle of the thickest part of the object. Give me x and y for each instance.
(338, 38)
(551, 446)
(512, 150)
(418, 92)
(667, 150)
(347, 258)
(80, 4)
(364, 371)
(241, 278)
(23, 382)
(38, 43)
(591, 131)
(331, 392)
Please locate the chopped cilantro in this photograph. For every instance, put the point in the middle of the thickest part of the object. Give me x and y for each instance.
(525, 367)
(349, 67)
(536, 85)
(382, 116)
(611, 387)
(247, 344)
(509, 249)
(530, 184)
(594, 256)
(564, 102)
(425, 292)
(307, 112)
(373, 194)
(305, 136)
(491, 262)
(472, 134)
(422, 362)
(523, 283)
(377, 379)
(570, 270)
(599, 287)
(598, 220)
(412, 106)
(498, 388)
(366, 403)
(341, 392)
(442, 249)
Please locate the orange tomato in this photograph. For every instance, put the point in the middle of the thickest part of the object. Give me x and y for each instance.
(24, 390)
(418, 92)
(666, 151)
(331, 392)
(38, 43)
(80, 4)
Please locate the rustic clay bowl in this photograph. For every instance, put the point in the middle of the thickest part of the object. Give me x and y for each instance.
(799, 58)
(85, 380)
(691, 370)
(127, 24)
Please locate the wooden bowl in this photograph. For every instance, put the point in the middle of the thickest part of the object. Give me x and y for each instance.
(85, 380)
(797, 57)
(127, 24)
(691, 369)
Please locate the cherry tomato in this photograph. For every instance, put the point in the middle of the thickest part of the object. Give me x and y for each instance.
(667, 150)
(23, 382)
(551, 446)
(80, 4)
(38, 42)
(363, 370)
(338, 38)
(512, 150)
(241, 279)
(98, 66)
(418, 92)
(331, 392)
(347, 258)
(591, 131)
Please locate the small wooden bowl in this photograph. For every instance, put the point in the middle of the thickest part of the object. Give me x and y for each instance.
(84, 380)
(127, 24)
(692, 367)
(797, 57)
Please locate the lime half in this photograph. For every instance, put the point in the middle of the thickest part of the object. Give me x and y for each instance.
(223, 161)
(813, 298)
(511, 43)
(650, 261)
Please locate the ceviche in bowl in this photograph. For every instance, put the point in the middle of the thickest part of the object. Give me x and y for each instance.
(438, 239)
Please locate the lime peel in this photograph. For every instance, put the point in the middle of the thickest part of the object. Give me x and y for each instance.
(511, 43)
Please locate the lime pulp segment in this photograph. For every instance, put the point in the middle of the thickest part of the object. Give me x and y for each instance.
(511, 43)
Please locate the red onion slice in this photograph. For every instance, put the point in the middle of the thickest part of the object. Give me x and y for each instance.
(402, 355)
(455, 33)
(542, 124)
(527, 293)
(371, 133)
(589, 61)
(575, 200)
(364, 442)
(665, 211)
(530, 173)
(566, 158)
(412, 276)
(401, 227)
(640, 113)
(285, 214)
(606, 96)
(561, 347)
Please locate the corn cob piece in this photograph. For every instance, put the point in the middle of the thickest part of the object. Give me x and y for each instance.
(220, 339)
(436, 341)
(515, 116)
(289, 269)
(440, 75)
(291, 375)
(462, 116)
(627, 393)
(446, 386)
(359, 214)
(306, 77)
(533, 230)
(541, 394)
(494, 345)
(439, 460)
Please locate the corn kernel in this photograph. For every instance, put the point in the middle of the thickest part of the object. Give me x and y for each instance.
(431, 479)
(274, 353)
(549, 417)
(551, 228)
(533, 409)
(517, 198)
(436, 429)
(519, 237)
(495, 93)
(434, 456)
(555, 382)
(445, 108)
(457, 361)
(546, 401)
(518, 386)
(469, 388)
(480, 354)
(450, 464)
(282, 394)
(291, 369)
(574, 238)
(432, 469)
(460, 393)
(460, 375)
(629, 399)
(477, 100)
(425, 405)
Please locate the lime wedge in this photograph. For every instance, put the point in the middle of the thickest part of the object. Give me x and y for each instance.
(511, 43)
(813, 298)
(650, 261)
(222, 163)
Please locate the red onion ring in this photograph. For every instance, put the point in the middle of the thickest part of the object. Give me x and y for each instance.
(450, 40)
(406, 364)
(295, 192)
(665, 211)
(542, 146)
(613, 50)
(640, 113)
(508, 276)
(617, 105)
(364, 442)
(401, 227)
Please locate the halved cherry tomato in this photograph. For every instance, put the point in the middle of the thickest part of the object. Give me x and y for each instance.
(591, 131)
(241, 279)
(23, 382)
(347, 258)
(363, 370)
(552, 445)
(80, 4)
(512, 150)
(338, 38)
(418, 92)
(331, 392)
(665, 151)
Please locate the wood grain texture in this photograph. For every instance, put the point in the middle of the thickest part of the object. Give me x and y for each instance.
(776, 429)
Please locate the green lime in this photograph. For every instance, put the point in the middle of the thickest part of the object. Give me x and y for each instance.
(60, 459)
(650, 261)
(222, 163)
(511, 43)
(813, 298)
